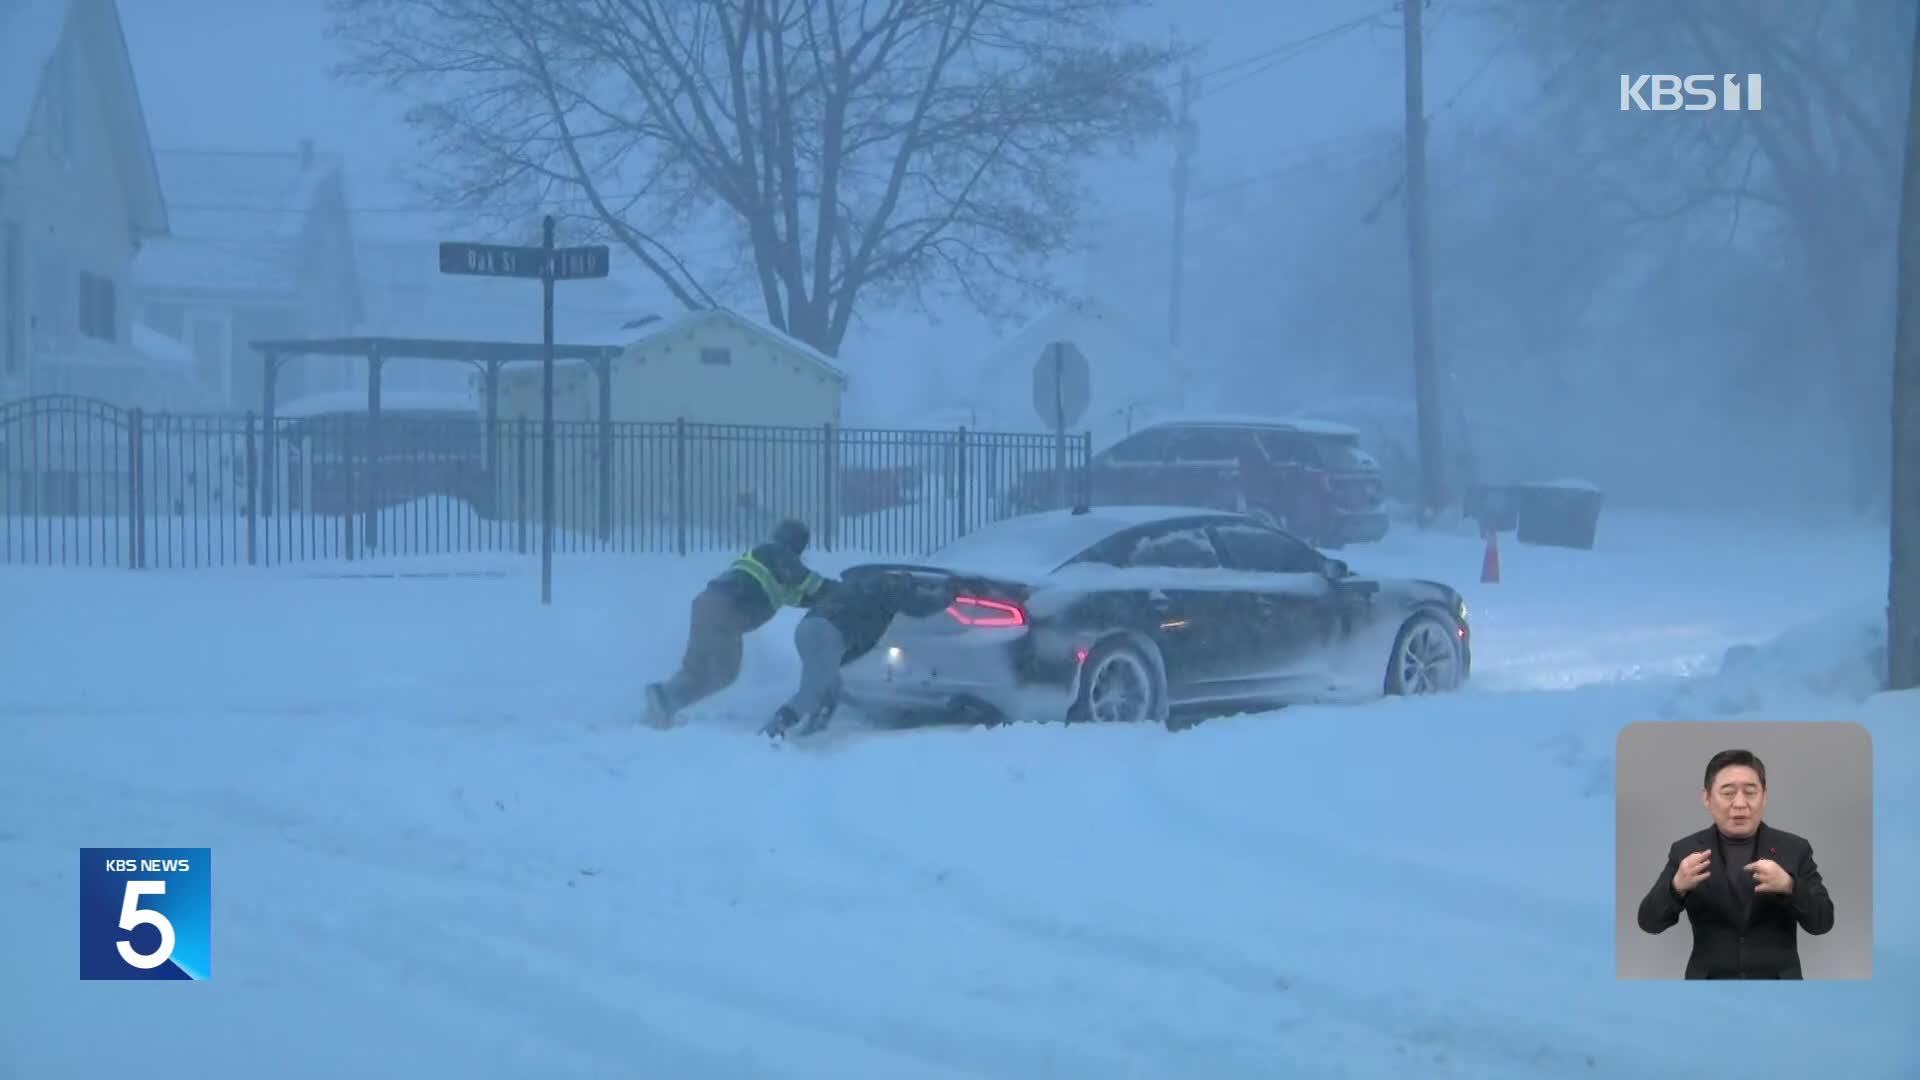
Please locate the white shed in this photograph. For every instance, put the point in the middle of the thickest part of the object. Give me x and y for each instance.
(756, 403)
(706, 367)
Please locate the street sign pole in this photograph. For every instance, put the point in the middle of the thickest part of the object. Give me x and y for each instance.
(549, 264)
(546, 410)
(1060, 397)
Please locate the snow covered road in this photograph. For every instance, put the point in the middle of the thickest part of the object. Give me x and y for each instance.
(440, 850)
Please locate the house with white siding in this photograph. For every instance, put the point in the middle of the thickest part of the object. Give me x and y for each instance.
(80, 197)
(262, 246)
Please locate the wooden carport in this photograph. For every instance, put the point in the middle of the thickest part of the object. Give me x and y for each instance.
(486, 356)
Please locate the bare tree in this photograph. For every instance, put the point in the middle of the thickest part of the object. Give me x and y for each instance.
(1903, 586)
(1814, 174)
(854, 151)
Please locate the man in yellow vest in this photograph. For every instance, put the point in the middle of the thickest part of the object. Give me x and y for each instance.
(742, 599)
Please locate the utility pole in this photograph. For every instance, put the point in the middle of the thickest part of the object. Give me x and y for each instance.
(1903, 509)
(1426, 383)
(1183, 154)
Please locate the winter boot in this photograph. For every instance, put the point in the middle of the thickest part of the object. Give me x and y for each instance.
(660, 708)
(817, 721)
(783, 721)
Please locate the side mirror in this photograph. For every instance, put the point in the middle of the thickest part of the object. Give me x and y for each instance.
(1335, 570)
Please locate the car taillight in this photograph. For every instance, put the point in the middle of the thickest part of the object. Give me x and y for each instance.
(977, 611)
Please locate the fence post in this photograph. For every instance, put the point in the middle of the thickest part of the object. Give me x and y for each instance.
(606, 450)
(521, 451)
(680, 485)
(960, 482)
(829, 468)
(1086, 468)
(350, 503)
(253, 493)
(136, 489)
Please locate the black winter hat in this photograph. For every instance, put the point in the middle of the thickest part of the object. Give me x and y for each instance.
(792, 533)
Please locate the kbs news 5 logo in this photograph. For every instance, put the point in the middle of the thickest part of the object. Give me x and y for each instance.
(146, 913)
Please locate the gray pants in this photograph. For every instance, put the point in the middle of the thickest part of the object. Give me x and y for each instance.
(821, 648)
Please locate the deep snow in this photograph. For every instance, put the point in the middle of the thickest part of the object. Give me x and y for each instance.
(441, 848)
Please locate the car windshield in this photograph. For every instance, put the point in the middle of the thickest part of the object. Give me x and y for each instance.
(1340, 453)
(1326, 451)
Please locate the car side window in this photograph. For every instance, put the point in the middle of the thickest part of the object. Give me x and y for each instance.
(1268, 551)
(1147, 447)
(1182, 549)
(1208, 445)
(1287, 448)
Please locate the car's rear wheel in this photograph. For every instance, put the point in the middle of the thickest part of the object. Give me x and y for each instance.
(1426, 657)
(1120, 682)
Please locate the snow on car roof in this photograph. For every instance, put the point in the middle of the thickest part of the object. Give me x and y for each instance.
(333, 402)
(1034, 545)
(1307, 424)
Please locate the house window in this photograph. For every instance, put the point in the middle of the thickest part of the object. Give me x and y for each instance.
(13, 293)
(99, 314)
(720, 355)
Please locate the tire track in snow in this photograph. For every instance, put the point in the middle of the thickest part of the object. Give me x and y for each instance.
(1157, 945)
(476, 973)
(786, 1019)
(1230, 838)
(1268, 1018)
(441, 870)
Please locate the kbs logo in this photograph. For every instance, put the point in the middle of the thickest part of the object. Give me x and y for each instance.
(146, 913)
(1694, 93)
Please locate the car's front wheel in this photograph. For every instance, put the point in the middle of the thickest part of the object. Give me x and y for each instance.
(1426, 658)
(1120, 682)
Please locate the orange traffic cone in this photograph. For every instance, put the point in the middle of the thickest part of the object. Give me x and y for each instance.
(1490, 563)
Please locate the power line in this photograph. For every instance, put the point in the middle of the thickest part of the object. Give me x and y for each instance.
(1266, 60)
(1310, 156)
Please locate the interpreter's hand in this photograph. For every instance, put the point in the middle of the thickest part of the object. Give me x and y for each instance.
(1769, 878)
(1693, 870)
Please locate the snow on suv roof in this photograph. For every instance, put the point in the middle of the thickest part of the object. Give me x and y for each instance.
(1305, 424)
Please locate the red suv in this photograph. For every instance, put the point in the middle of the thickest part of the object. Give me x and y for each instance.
(1308, 477)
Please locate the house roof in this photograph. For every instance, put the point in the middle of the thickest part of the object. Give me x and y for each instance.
(252, 194)
(31, 33)
(391, 348)
(677, 324)
(237, 218)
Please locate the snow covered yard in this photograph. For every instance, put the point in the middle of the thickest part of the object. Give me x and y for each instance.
(441, 848)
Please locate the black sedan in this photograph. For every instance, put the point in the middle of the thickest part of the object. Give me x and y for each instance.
(1158, 614)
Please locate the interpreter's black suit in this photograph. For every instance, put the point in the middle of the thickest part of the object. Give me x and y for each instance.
(1735, 940)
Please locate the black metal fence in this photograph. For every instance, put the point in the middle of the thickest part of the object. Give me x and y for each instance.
(85, 483)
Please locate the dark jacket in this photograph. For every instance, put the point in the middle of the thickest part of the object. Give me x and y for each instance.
(1732, 942)
(862, 610)
(762, 581)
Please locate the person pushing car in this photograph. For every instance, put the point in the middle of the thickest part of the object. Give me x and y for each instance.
(742, 599)
(844, 623)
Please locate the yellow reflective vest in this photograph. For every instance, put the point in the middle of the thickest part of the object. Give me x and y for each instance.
(779, 595)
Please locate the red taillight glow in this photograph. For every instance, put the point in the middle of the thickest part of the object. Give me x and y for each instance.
(976, 611)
